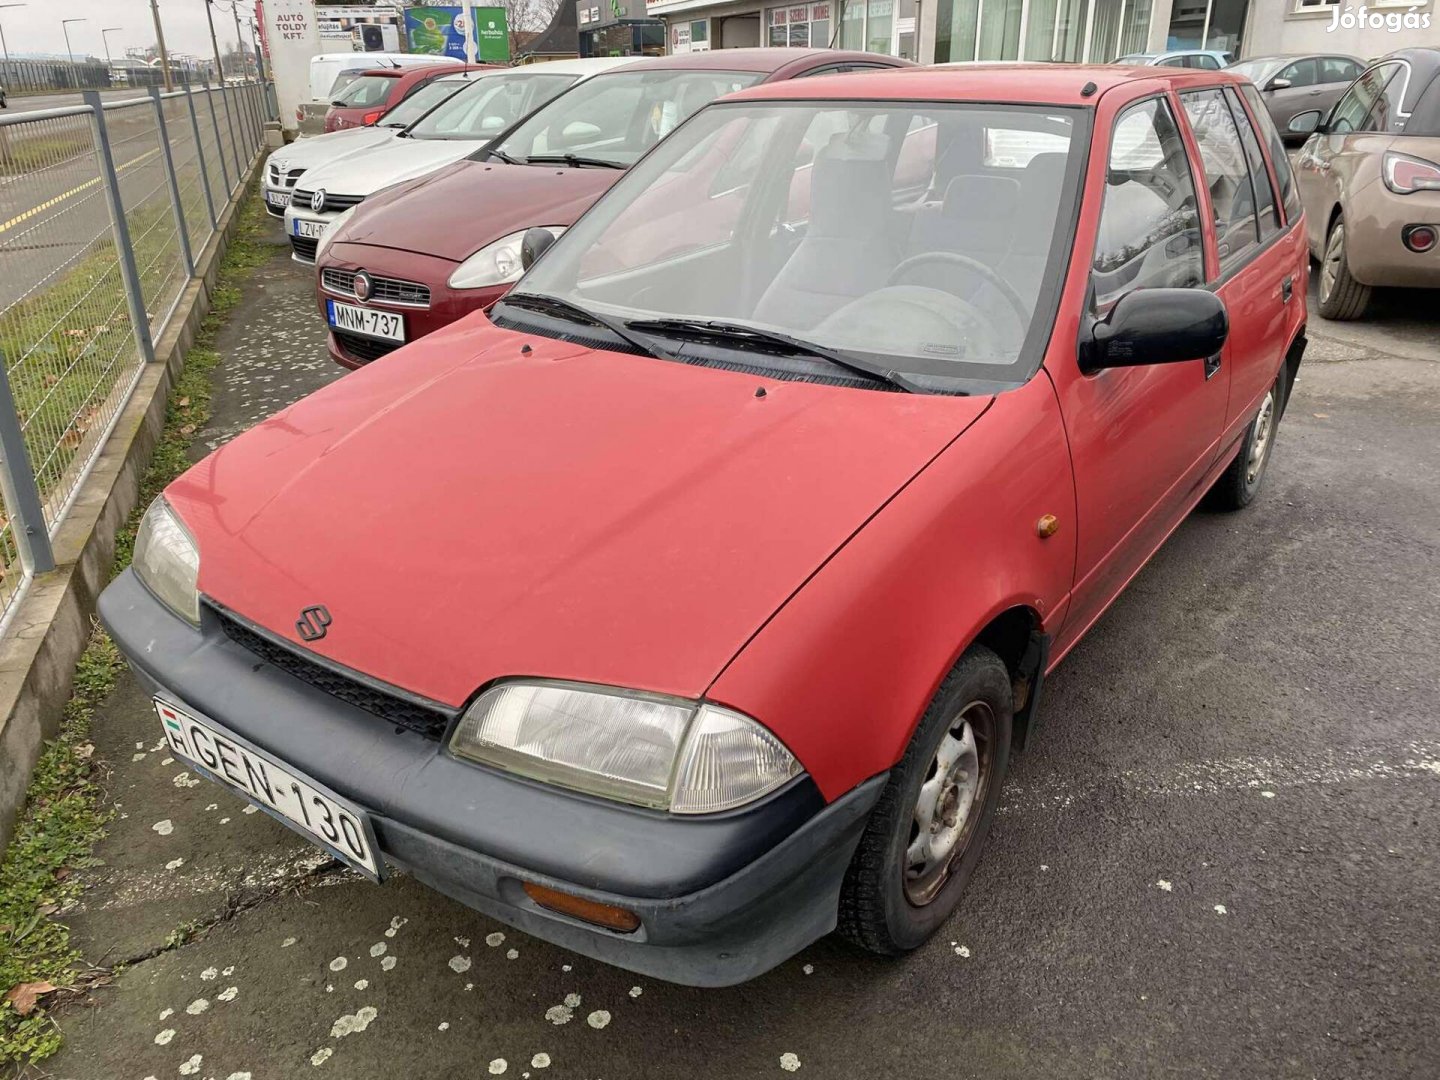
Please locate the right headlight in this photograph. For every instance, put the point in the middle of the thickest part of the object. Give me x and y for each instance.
(167, 560)
(683, 756)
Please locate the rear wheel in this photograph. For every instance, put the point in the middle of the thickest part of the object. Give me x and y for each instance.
(1238, 484)
(1341, 297)
(924, 837)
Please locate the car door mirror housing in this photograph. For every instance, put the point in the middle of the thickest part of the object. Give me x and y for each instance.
(1155, 326)
(1306, 123)
(535, 243)
(1278, 84)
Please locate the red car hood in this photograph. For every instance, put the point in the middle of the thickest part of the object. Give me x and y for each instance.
(455, 212)
(466, 511)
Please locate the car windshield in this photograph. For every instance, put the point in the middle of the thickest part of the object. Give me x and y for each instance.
(1257, 71)
(366, 91)
(925, 238)
(491, 104)
(614, 119)
(421, 102)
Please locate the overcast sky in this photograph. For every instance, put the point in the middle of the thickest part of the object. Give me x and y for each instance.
(35, 28)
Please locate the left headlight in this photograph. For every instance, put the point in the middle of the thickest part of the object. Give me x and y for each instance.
(683, 756)
(167, 560)
(495, 264)
(328, 236)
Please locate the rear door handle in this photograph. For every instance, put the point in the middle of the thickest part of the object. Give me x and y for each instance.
(1287, 289)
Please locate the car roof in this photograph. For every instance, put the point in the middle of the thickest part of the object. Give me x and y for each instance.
(1025, 84)
(766, 60)
(428, 71)
(590, 65)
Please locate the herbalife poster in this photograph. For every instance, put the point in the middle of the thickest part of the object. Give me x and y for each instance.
(441, 31)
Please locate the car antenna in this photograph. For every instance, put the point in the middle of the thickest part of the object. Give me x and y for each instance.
(1088, 89)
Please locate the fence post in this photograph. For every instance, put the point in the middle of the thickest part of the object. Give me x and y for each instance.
(17, 483)
(257, 127)
(219, 142)
(181, 230)
(200, 157)
(234, 141)
(124, 252)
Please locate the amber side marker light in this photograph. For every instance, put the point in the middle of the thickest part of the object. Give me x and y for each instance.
(577, 907)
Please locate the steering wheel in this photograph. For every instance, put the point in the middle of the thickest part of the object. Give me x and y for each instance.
(1003, 287)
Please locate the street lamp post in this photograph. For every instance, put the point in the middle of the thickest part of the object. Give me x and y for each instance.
(108, 30)
(65, 28)
(5, 49)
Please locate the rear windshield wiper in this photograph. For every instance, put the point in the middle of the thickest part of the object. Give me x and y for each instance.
(554, 305)
(743, 332)
(575, 161)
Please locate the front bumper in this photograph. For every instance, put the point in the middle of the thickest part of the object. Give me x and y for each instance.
(445, 307)
(721, 898)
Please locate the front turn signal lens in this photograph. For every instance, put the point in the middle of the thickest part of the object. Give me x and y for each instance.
(577, 907)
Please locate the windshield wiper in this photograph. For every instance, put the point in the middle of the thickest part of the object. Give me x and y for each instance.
(491, 152)
(575, 161)
(554, 305)
(743, 332)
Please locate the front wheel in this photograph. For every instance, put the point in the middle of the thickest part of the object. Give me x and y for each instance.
(924, 837)
(1342, 298)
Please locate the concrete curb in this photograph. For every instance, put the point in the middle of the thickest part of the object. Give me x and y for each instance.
(52, 624)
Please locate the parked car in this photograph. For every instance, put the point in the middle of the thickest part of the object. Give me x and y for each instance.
(1204, 59)
(396, 270)
(371, 96)
(1294, 83)
(285, 166)
(694, 606)
(1369, 177)
(458, 127)
(330, 73)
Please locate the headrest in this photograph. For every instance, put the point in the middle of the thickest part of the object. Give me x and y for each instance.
(982, 198)
(850, 186)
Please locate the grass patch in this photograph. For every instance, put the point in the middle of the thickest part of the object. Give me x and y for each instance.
(63, 818)
(22, 153)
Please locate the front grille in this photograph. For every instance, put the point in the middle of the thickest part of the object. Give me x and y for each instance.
(273, 211)
(429, 721)
(284, 180)
(382, 290)
(304, 248)
(363, 349)
(301, 198)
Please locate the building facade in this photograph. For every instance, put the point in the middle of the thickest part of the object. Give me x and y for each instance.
(1065, 31)
(618, 28)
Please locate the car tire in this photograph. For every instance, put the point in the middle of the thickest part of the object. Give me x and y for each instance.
(899, 890)
(1240, 482)
(1341, 297)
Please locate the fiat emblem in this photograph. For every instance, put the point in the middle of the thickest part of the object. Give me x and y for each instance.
(317, 201)
(363, 285)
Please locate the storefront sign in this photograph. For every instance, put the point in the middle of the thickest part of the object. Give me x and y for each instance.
(293, 36)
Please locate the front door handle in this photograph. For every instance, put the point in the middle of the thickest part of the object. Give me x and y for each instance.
(1287, 289)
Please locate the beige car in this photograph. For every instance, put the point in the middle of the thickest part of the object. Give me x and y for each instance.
(1369, 177)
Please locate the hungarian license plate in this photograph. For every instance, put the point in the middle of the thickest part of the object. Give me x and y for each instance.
(278, 199)
(306, 229)
(309, 809)
(367, 322)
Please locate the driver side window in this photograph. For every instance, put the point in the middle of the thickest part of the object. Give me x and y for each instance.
(1149, 229)
(1354, 110)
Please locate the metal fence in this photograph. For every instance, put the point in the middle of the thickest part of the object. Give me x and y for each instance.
(60, 76)
(104, 208)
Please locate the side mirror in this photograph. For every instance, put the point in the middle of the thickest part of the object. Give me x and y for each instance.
(534, 244)
(1155, 326)
(1278, 84)
(1305, 123)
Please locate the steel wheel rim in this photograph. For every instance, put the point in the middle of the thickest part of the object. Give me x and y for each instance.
(1334, 258)
(949, 803)
(1260, 444)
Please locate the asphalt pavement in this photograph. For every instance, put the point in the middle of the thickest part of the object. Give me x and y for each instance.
(1220, 858)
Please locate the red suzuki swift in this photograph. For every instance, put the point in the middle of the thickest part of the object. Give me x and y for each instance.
(424, 253)
(691, 606)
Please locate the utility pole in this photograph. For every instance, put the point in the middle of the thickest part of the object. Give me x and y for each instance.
(160, 44)
(214, 43)
(106, 40)
(239, 41)
(5, 49)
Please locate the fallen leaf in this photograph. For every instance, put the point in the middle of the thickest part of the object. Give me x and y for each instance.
(25, 996)
(1322, 416)
(184, 401)
(188, 429)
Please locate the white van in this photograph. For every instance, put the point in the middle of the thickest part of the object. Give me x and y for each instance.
(329, 73)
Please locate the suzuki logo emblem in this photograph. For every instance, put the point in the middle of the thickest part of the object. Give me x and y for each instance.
(317, 201)
(363, 285)
(313, 622)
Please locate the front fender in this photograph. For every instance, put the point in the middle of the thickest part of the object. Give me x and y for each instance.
(843, 672)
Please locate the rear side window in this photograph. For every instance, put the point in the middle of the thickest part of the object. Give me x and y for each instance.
(1335, 69)
(1289, 196)
(1389, 112)
(1232, 198)
(1267, 214)
(1209, 63)
(1149, 229)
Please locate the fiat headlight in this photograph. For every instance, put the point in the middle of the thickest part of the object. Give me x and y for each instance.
(328, 236)
(683, 756)
(495, 264)
(167, 560)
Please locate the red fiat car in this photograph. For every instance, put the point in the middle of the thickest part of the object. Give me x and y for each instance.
(691, 605)
(367, 98)
(395, 269)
